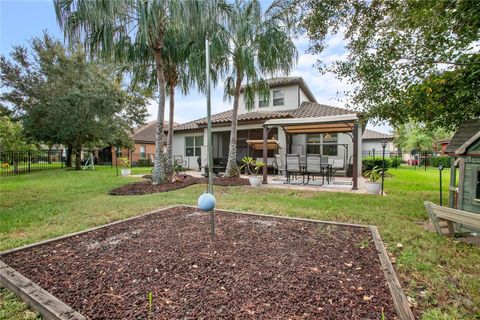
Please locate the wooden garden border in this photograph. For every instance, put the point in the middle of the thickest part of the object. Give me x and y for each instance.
(51, 307)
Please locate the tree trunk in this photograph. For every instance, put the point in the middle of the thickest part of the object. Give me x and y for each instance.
(69, 156)
(159, 174)
(169, 156)
(78, 157)
(232, 167)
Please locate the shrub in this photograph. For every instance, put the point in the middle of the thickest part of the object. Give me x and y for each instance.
(144, 163)
(440, 160)
(368, 163)
(396, 162)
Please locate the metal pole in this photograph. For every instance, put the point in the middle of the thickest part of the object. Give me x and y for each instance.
(209, 134)
(440, 171)
(383, 166)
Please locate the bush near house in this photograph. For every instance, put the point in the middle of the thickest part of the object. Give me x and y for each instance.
(368, 163)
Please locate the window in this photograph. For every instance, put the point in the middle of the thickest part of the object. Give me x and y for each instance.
(324, 144)
(193, 146)
(477, 193)
(143, 151)
(330, 138)
(278, 97)
(313, 144)
(263, 102)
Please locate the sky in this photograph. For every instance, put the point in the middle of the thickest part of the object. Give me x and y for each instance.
(21, 20)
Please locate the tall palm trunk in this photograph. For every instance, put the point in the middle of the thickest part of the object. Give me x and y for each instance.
(159, 174)
(232, 167)
(169, 166)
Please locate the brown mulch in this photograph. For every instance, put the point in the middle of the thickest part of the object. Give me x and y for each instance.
(257, 267)
(146, 187)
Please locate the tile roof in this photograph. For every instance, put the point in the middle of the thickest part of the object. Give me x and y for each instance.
(146, 133)
(466, 131)
(313, 110)
(285, 81)
(306, 110)
(375, 135)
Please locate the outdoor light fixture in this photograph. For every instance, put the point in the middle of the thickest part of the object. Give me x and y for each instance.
(440, 169)
(384, 145)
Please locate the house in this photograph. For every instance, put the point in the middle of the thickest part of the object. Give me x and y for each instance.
(296, 124)
(144, 140)
(372, 143)
(464, 148)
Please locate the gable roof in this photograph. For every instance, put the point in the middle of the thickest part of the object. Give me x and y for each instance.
(286, 81)
(146, 133)
(306, 110)
(467, 134)
(375, 135)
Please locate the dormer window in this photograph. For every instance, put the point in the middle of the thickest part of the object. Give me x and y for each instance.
(277, 97)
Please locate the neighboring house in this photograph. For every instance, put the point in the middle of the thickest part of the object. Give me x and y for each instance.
(144, 139)
(465, 150)
(290, 99)
(372, 143)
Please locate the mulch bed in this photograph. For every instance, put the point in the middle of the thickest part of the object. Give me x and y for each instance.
(258, 267)
(146, 187)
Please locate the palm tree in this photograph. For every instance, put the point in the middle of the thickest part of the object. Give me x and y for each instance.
(134, 31)
(258, 46)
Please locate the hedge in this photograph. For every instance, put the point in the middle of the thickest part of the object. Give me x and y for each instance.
(440, 160)
(368, 163)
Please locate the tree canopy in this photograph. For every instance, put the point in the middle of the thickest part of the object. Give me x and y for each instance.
(259, 46)
(134, 32)
(62, 98)
(407, 60)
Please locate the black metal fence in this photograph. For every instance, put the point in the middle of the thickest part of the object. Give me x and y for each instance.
(416, 160)
(15, 162)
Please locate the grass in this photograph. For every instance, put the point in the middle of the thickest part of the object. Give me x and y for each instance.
(440, 274)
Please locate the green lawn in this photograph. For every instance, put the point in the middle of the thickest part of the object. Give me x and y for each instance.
(441, 274)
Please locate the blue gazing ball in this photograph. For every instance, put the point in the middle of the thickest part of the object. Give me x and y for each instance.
(206, 202)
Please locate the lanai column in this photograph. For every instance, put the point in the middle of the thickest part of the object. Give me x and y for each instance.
(265, 154)
(355, 156)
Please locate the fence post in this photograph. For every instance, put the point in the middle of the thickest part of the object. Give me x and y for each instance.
(61, 158)
(425, 160)
(29, 159)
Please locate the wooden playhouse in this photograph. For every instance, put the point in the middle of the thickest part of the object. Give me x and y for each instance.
(463, 212)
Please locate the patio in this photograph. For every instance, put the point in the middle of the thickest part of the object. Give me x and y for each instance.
(309, 164)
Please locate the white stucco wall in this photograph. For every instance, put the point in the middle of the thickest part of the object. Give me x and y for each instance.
(178, 148)
(290, 99)
(370, 145)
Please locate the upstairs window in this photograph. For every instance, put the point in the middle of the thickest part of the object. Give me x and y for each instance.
(263, 102)
(278, 98)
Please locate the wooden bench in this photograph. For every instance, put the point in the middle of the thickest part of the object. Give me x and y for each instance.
(470, 221)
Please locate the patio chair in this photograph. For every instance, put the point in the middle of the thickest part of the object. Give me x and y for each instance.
(292, 166)
(338, 164)
(326, 165)
(314, 167)
(278, 165)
